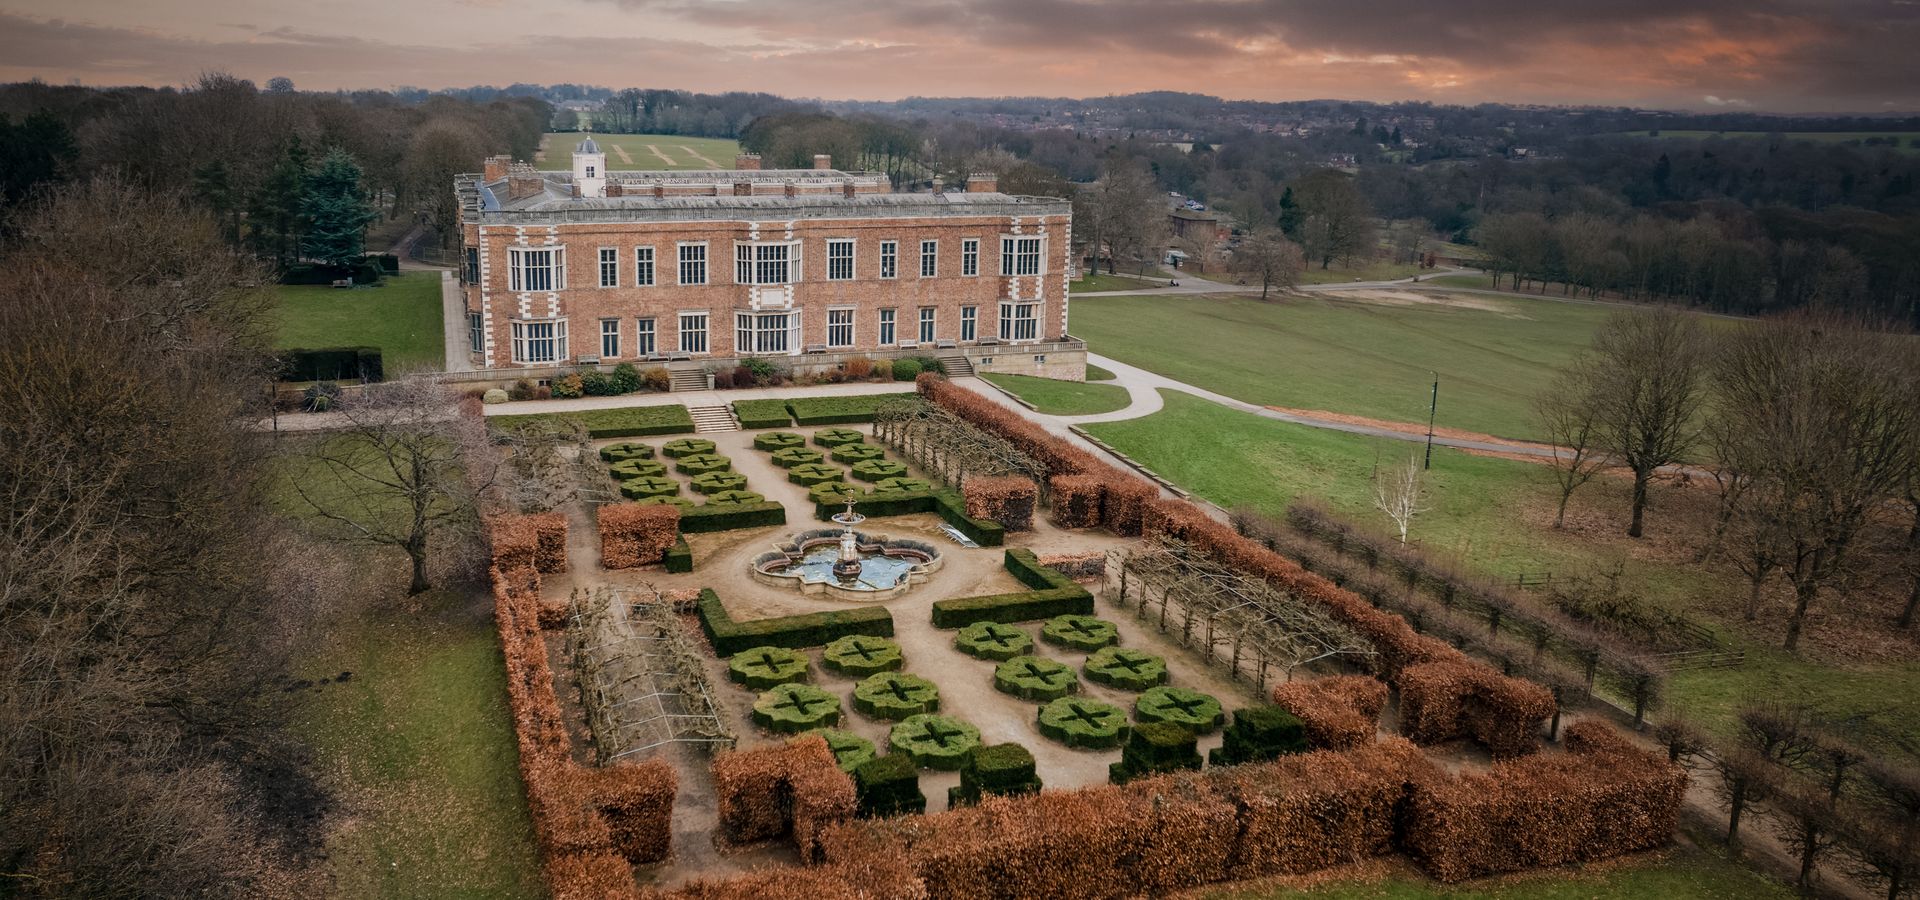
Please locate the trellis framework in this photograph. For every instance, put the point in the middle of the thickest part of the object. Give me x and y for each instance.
(642, 682)
(1232, 618)
(947, 446)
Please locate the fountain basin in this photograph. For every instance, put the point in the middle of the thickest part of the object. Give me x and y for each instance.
(806, 562)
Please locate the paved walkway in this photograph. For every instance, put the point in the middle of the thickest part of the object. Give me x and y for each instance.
(1191, 285)
(453, 313)
(698, 398)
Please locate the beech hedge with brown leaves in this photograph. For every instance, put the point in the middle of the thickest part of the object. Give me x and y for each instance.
(1340, 712)
(632, 534)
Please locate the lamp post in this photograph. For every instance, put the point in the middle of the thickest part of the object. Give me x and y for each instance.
(1433, 410)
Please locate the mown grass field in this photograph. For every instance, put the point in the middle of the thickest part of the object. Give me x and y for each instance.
(624, 152)
(402, 317)
(1491, 514)
(1094, 284)
(1062, 398)
(1350, 356)
(1376, 270)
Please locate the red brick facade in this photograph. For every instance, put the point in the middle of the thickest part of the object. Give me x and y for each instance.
(582, 303)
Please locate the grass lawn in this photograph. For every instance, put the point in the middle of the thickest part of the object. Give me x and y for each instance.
(843, 409)
(1094, 284)
(420, 744)
(1490, 513)
(1371, 271)
(1683, 873)
(1063, 398)
(630, 421)
(1095, 373)
(1350, 356)
(643, 151)
(402, 317)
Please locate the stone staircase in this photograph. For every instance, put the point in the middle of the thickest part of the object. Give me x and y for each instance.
(955, 364)
(686, 377)
(709, 419)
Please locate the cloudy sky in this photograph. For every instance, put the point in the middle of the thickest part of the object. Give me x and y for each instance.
(1786, 55)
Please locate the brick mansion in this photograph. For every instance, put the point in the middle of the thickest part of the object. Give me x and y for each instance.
(698, 268)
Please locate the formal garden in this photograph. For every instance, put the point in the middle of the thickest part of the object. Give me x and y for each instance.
(926, 648)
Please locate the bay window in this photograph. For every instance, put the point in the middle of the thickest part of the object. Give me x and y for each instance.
(540, 341)
(1019, 321)
(534, 270)
(1020, 256)
(765, 332)
(763, 263)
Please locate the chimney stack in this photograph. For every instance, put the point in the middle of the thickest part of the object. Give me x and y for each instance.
(742, 188)
(982, 183)
(790, 187)
(747, 162)
(846, 188)
(523, 181)
(496, 168)
(615, 189)
(939, 185)
(822, 161)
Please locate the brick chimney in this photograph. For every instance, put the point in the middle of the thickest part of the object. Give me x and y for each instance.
(616, 189)
(982, 183)
(939, 186)
(747, 162)
(523, 181)
(659, 189)
(789, 185)
(742, 188)
(822, 161)
(846, 188)
(496, 168)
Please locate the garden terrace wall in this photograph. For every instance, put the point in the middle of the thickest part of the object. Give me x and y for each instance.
(591, 824)
(1600, 799)
(1340, 712)
(633, 534)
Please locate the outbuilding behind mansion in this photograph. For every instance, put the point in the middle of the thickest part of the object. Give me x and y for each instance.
(702, 267)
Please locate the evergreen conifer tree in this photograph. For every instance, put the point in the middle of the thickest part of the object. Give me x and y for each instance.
(336, 212)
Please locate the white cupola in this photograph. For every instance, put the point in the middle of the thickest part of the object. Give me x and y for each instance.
(590, 169)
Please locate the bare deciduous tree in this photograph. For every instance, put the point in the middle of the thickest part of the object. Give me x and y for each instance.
(1270, 257)
(400, 473)
(1123, 213)
(1645, 374)
(1399, 494)
(1570, 418)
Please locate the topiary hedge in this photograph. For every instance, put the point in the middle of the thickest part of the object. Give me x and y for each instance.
(715, 482)
(726, 516)
(853, 453)
(626, 421)
(1192, 710)
(1055, 594)
(947, 504)
(1128, 670)
(837, 437)
(793, 632)
(1084, 723)
(895, 696)
(850, 750)
(774, 441)
(901, 485)
(681, 502)
(761, 414)
(1035, 678)
(626, 450)
(702, 463)
(679, 557)
(636, 468)
(831, 493)
(737, 498)
(648, 486)
(888, 786)
(879, 469)
(682, 447)
(860, 655)
(765, 667)
(797, 456)
(992, 640)
(838, 410)
(1152, 748)
(1005, 770)
(815, 473)
(1258, 734)
(793, 708)
(1078, 632)
(934, 742)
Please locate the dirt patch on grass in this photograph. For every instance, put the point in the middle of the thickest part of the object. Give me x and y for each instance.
(1414, 428)
(1385, 297)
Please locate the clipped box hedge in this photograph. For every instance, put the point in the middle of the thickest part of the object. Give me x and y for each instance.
(837, 437)
(715, 482)
(636, 468)
(729, 516)
(702, 463)
(774, 441)
(797, 456)
(1035, 678)
(934, 742)
(766, 667)
(849, 750)
(992, 640)
(861, 655)
(845, 410)
(1054, 594)
(1258, 734)
(793, 708)
(729, 636)
(1153, 748)
(680, 447)
(888, 786)
(679, 557)
(895, 696)
(1084, 723)
(815, 473)
(1128, 670)
(762, 413)
(625, 450)
(1189, 709)
(1005, 770)
(853, 453)
(631, 421)
(947, 504)
(1083, 633)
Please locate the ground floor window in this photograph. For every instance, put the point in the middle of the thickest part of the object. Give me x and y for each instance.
(926, 324)
(476, 332)
(969, 322)
(539, 342)
(839, 328)
(886, 327)
(1019, 322)
(609, 338)
(643, 339)
(764, 332)
(693, 332)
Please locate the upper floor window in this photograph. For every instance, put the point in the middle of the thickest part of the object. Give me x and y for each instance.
(609, 267)
(473, 265)
(589, 171)
(534, 270)
(642, 266)
(693, 264)
(929, 258)
(839, 260)
(970, 256)
(1020, 256)
(762, 263)
(889, 259)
